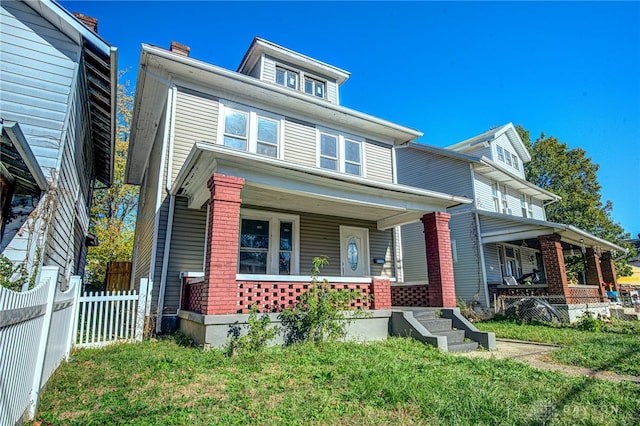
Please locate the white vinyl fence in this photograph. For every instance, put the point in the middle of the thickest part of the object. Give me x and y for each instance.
(108, 317)
(36, 334)
(39, 327)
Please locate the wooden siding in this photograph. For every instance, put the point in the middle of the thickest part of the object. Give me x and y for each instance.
(484, 193)
(414, 253)
(434, 172)
(379, 164)
(186, 251)
(196, 119)
(38, 65)
(300, 143)
(467, 270)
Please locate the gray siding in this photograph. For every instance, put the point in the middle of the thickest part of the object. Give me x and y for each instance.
(492, 263)
(484, 193)
(300, 143)
(145, 220)
(379, 165)
(414, 253)
(434, 172)
(196, 119)
(538, 210)
(332, 92)
(492, 224)
(467, 270)
(38, 66)
(186, 251)
(269, 70)
(505, 143)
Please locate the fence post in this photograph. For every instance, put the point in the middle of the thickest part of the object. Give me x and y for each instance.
(49, 273)
(73, 332)
(142, 308)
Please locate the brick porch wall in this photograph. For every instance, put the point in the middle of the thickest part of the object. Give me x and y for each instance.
(442, 292)
(410, 295)
(554, 267)
(593, 272)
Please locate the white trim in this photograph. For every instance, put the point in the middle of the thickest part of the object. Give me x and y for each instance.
(365, 256)
(398, 254)
(303, 278)
(165, 262)
(172, 129)
(274, 220)
(191, 274)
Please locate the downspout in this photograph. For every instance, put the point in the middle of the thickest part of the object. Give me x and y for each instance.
(483, 266)
(172, 203)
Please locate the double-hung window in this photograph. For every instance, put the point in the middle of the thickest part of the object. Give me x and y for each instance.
(340, 153)
(516, 164)
(507, 156)
(523, 205)
(500, 153)
(268, 243)
(496, 196)
(505, 201)
(250, 130)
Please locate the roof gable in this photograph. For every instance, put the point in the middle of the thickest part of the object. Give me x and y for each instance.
(508, 130)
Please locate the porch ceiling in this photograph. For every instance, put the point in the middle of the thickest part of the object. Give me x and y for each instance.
(518, 228)
(278, 184)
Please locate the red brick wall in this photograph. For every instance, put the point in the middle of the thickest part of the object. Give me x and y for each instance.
(410, 295)
(593, 273)
(442, 292)
(585, 295)
(381, 291)
(608, 267)
(554, 267)
(222, 249)
(276, 296)
(196, 296)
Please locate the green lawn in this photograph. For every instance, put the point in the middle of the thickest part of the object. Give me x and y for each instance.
(616, 350)
(398, 381)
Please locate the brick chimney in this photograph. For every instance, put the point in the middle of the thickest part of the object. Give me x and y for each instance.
(179, 48)
(88, 21)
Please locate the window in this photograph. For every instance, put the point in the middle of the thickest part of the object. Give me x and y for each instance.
(496, 197)
(287, 78)
(507, 157)
(250, 131)
(500, 153)
(523, 205)
(314, 87)
(516, 164)
(268, 243)
(503, 197)
(340, 153)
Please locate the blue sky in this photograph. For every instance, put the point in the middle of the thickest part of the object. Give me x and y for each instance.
(451, 70)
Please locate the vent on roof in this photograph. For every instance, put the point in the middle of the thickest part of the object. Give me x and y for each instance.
(179, 48)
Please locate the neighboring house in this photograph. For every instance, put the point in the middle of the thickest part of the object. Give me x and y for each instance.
(503, 236)
(246, 176)
(57, 119)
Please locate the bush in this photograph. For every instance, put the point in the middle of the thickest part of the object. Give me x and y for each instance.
(320, 313)
(259, 332)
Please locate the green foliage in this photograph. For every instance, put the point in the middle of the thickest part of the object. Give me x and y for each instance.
(572, 175)
(182, 339)
(12, 277)
(259, 333)
(321, 312)
(588, 322)
(113, 209)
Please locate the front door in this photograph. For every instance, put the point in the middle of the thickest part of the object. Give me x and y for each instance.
(354, 251)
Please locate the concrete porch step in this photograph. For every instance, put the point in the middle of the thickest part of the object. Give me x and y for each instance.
(453, 336)
(463, 346)
(436, 324)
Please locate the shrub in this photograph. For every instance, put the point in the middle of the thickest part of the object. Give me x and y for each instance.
(320, 313)
(259, 332)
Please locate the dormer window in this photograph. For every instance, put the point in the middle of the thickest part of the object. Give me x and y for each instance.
(314, 87)
(516, 164)
(500, 154)
(507, 156)
(287, 78)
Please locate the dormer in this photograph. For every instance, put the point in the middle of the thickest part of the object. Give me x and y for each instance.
(275, 64)
(502, 145)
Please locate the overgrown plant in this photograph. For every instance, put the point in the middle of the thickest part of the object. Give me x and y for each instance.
(12, 276)
(320, 313)
(259, 332)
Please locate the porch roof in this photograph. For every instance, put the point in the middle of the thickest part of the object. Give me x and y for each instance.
(519, 228)
(274, 183)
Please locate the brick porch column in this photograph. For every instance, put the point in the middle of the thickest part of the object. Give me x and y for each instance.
(608, 267)
(554, 268)
(593, 273)
(221, 260)
(381, 290)
(442, 291)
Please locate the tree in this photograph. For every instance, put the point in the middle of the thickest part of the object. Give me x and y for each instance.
(572, 175)
(114, 208)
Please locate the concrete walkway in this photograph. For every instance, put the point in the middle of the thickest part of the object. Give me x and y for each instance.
(536, 355)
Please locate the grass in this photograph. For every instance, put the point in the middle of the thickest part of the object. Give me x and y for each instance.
(398, 381)
(616, 350)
